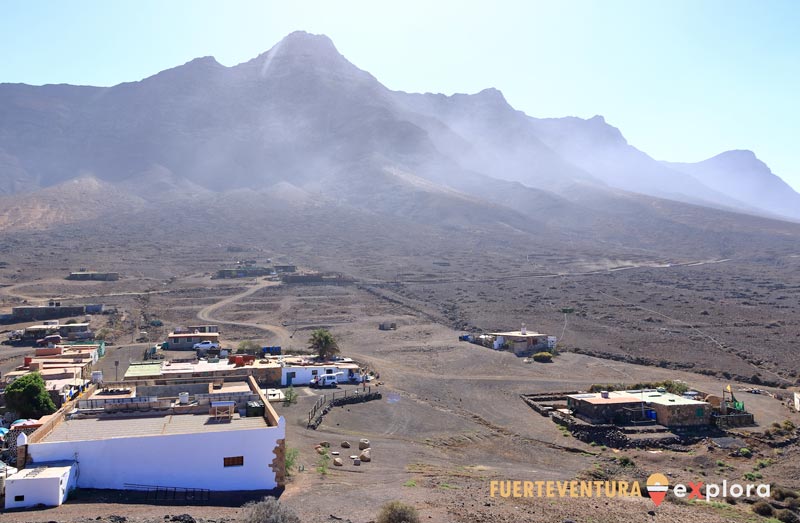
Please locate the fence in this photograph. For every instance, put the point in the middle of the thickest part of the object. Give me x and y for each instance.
(170, 494)
(336, 398)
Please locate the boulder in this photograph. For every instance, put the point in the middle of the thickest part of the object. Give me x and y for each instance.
(338, 462)
(365, 456)
(345, 444)
(363, 444)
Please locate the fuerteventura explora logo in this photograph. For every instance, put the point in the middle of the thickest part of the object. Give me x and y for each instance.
(657, 486)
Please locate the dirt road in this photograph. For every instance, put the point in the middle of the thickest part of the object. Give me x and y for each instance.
(279, 334)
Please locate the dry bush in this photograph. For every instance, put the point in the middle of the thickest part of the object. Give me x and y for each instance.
(268, 510)
(762, 508)
(398, 512)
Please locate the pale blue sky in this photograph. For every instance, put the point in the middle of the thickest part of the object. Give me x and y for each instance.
(683, 80)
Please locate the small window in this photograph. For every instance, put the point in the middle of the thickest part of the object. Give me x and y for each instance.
(314, 372)
(291, 374)
(328, 371)
(236, 461)
(19, 498)
(699, 412)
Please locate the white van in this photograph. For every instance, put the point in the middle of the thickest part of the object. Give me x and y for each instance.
(326, 380)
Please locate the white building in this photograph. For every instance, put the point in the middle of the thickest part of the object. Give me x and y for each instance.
(303, 374)
(46, 484)
(170, 441)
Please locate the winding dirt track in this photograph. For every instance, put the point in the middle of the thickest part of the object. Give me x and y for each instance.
(207, 314)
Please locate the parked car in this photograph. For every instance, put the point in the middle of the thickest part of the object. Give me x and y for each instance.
(205, 345)
(325, 381)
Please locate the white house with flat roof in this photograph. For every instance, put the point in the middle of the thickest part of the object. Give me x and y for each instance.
(45, 484)
(175, 439)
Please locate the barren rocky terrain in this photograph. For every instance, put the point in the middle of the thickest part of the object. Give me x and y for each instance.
(451, 419)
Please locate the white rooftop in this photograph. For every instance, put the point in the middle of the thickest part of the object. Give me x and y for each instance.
(108, 427)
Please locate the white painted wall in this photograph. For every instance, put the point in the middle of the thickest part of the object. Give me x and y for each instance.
(179, 460)
(48, 491)
(303, 375)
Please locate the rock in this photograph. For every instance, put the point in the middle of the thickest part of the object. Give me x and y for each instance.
(365, 456)
(113, 518)
(325, 444)
(321, 450)
(356, 462)
(338, 462)
(345, 444)
(651, 512)
(363, 444)
(183, 518)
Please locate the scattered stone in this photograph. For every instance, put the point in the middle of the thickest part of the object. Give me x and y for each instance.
(363, 444)
(113, 518)
(338, 462)
(321, 450)
(325, 444)
(357, 462)
(183, 518)
(364, 456)
(651, 512)
(345, 444)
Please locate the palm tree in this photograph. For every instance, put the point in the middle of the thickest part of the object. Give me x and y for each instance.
(323, 342)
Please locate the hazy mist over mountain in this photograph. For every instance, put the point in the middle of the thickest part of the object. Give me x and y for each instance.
(302, 125)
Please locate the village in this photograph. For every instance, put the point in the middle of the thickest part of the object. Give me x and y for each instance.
(210, 414)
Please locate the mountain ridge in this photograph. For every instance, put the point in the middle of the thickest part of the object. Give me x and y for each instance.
(300, 117)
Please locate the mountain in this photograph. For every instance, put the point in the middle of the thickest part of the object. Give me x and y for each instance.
(742, 176)
(301, 127)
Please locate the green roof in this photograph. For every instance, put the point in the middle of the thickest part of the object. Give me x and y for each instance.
(139, 370)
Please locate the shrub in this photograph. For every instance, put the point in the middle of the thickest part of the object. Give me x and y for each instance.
(745, 452)
(289, 397)
(324, 462)
(543, 357)
(290, 460)
(763, 463)
(625, 461)
(268, 510)
(781, 493)
(762, 508)
(752, 476)
(248, 347)
(397, 512)
(786, 516)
